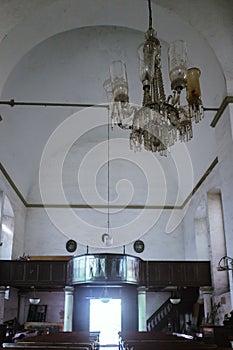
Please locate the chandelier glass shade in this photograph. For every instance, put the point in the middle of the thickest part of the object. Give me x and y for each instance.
(161, 120)
(34, 300)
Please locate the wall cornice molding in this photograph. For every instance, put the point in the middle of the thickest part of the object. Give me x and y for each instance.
(97, 206)
(12, 184)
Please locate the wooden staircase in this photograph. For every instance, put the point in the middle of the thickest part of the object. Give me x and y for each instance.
(160, 317)
(168, 316)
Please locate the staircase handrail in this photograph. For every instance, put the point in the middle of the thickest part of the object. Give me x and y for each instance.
(159, 314)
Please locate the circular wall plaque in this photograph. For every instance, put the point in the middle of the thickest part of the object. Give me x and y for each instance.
(71, 245)
(139, 246)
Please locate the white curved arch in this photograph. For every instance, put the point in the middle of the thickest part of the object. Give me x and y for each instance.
(64, 15)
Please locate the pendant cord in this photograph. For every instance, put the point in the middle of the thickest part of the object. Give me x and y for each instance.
(108, 171)
(150, 14)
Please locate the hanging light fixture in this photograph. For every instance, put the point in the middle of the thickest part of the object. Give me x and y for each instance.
(161, 120)
(105, 297)
(34, 300)
(175, 297)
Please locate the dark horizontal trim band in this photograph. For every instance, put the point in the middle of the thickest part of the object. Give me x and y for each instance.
(208, 171)
(225, 103)
(12, 184)
(97, 206)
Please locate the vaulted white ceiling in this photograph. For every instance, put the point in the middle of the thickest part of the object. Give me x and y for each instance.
(60, 51)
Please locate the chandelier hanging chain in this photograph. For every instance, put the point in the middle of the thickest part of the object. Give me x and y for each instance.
(108, 173)
(161, 87)
(107, 238)
(150, 14)
(157, 88)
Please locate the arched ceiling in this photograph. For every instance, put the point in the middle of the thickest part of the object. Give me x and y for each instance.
(212, 18)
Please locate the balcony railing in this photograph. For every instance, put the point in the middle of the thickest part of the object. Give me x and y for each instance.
(102, 268)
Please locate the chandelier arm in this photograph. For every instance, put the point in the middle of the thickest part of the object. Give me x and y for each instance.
(210, 109)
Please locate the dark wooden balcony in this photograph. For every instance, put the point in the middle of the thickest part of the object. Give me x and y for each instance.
(104, 269)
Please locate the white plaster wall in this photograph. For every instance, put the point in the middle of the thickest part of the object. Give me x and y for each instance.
(7, 236)
(201, 237)
(55, 305)
(154, 300)
(217, 242)
(42, 237)
(212, 181)
(19, 217)
(201, 230)
(221, 179)
(54, 301)
(230, 106)
(225, 147)
(225, 307)
(11, 305)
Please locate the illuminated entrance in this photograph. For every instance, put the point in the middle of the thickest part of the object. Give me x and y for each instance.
(105, 316)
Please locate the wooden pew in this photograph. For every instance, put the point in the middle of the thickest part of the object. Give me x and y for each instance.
(168, 345)
(60, 340)
(159, 341)
(131, 335)
(11, 346)
(75, 337)
(59, 337)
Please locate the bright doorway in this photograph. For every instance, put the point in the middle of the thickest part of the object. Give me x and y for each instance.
(106, 318)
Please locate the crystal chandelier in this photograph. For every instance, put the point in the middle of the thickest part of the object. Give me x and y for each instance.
(161, 121)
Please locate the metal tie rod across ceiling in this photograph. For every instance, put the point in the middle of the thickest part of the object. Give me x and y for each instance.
(13, 103)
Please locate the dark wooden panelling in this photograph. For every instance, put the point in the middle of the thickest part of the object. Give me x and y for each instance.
(5, 272)
(32, 272)
(38, 273)
(154, 274)
(44, 273)
(16, 271)
(58, 271)
(178, 273)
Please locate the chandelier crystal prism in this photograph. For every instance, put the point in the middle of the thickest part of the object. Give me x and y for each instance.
(161, 120)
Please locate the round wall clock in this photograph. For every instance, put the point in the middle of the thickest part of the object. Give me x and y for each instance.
(71, 246)
(138, 246)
